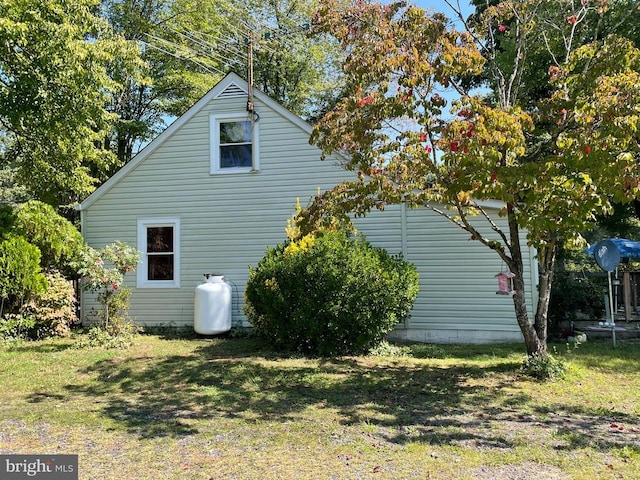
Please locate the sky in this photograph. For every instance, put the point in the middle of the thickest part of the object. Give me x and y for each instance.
(441, 6)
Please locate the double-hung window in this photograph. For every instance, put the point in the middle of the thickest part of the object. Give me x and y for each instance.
(159, 242)
(234, 144)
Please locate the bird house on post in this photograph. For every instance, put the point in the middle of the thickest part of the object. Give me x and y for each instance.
(505, 283)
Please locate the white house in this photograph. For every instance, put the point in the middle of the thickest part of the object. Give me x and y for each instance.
(217, 186)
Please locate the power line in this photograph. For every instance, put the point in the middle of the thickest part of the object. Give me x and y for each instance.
(226, 42)
(189, 58)
(226, 49)
(209, 48)
(204, 49)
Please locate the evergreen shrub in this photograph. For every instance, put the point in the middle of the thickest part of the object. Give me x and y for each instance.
(20, 275)
(330, 294)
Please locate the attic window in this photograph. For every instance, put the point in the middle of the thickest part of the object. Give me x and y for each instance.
(234, 144)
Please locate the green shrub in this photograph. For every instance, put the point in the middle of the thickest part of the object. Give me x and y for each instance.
(386, 349)
(53, 311)
(103, 271)
(547, 368)
(7, 219)
(572, 295)
(98, 337)
(20, 276)
(60, 243)
(329, 295)
(15, 326)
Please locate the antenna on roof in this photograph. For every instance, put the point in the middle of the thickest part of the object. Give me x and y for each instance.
(250, 107)
(250, 42)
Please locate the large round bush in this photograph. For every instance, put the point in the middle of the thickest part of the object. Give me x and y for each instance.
(60, 243)
(20, 275)
(333, 294)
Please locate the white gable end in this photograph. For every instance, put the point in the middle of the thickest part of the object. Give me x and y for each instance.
(230, 87)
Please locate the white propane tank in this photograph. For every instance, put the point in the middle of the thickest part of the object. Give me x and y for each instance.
(212, 306)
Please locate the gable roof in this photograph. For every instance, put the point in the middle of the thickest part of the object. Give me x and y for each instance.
(231, 85)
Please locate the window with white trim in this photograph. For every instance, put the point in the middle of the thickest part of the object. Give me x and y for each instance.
(159, 242)
(234, 144)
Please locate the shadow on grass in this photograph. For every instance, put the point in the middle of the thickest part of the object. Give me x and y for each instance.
(156, 396)
(41, 397)
(471, 351)
(46, 346)
(238, 379)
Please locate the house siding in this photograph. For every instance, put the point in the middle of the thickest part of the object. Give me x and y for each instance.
(458, 299)
(227, 221)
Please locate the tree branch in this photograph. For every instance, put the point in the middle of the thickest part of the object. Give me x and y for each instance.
(463, 222)
(494, 225)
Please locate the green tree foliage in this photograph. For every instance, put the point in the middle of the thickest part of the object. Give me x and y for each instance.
(37, 239)
(20, 276)
(553, 165)
(566, 28)
(177, 41)
(186, 46)
(54, 86)
(11, 193)
(85, 84)
(573, 294)
(622, 222)
(329, 295)
(60, 243)
(300, 71)
(7, 219)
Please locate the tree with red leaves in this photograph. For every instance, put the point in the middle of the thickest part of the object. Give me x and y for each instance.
(554, 163)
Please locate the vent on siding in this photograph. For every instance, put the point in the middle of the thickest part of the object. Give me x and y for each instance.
(232, 91)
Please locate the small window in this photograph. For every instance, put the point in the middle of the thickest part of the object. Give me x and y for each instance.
(233, 144)
(158, 240)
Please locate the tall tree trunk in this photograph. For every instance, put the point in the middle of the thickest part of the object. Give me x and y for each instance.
(125, 151)
(534, 333)
(546, 264)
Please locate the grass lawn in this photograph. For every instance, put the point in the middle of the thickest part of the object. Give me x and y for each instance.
(229, 408)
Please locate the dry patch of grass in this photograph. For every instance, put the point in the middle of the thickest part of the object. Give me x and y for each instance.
(230, 408)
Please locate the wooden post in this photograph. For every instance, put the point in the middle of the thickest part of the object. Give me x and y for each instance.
(634, 292)
(626, 291)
